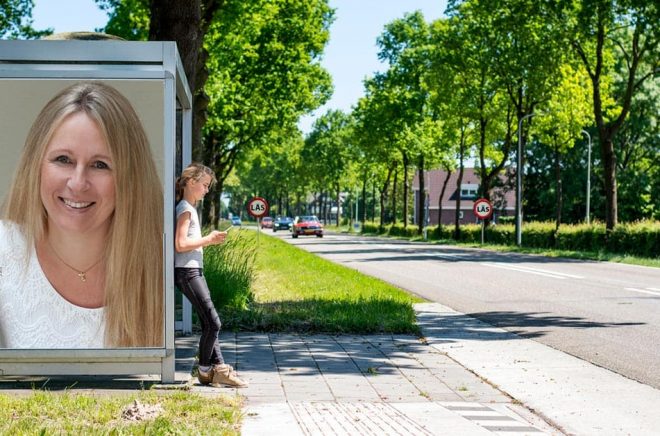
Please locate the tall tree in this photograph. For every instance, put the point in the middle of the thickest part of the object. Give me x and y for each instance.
(567, 114)
(630, 29)
(186, 23)
(266, 73)
(16, 20)
(327, 153)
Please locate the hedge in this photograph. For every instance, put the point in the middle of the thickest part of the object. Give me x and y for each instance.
(636, 239)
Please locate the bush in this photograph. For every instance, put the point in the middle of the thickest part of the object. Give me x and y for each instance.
(583, 237)
(399, 230)
(504, 234)
(373, 229)
(539, 234)
(229, 270)
(639, 239)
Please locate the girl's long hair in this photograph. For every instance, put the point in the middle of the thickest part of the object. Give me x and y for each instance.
(134, 293)
(195, 171)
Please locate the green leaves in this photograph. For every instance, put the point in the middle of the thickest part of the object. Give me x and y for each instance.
(16, 20)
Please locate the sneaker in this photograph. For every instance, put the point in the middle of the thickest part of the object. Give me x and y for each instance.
(205, 377)
(225, 375)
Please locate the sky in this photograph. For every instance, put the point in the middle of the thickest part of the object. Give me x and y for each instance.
(350, 56)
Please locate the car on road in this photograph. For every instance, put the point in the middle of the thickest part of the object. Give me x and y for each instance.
(267, 222)
(307, 225)
(282, 223)
(236, 221)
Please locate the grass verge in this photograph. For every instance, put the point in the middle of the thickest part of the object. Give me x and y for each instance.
(68, 413)
(570, 254)
(298, 291)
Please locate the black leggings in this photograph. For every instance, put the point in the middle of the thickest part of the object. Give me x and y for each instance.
(192, 283)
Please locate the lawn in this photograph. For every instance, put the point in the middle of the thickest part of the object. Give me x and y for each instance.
(297, 291)
(164, 413)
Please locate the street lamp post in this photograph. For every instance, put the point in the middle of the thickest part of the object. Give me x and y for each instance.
(588, 173)
(519, 169)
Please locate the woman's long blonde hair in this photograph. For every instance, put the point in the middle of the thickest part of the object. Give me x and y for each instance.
(195, 171)
(134, 293)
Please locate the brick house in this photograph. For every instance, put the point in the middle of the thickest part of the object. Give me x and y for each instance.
(504, 200)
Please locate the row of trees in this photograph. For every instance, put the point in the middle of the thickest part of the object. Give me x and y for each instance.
(460, 89)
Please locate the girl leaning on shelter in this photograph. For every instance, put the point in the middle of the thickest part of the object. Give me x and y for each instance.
(191, 187)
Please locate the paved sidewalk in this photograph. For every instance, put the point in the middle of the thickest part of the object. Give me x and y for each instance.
(464, 378)
(365, 385)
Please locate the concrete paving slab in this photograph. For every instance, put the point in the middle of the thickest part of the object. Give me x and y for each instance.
(576, 396)
(364, 384)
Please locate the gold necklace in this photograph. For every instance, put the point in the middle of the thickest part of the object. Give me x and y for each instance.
(81, 274)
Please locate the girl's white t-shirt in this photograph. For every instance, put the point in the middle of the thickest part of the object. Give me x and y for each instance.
(192, 258)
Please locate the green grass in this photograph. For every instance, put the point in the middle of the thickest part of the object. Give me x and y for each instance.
(68, 413)
(298, 291)
(571, 254)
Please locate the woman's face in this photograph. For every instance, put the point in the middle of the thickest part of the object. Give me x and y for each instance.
(77, 178)
(199, 188)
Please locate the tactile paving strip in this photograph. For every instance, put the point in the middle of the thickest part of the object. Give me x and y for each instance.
(330, 418)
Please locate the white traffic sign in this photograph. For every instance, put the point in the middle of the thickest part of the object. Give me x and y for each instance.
(483, 209)
(257, 207)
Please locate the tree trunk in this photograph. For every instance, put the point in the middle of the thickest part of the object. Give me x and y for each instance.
(459, 180)
(383, 199)
(394, 183)
(442, 195)
(405, 190)
(186, 23)
(558, 188)
(338, 205)
(363, 209)
(422, 196)
(611, 201)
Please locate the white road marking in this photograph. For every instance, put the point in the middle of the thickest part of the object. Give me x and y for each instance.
(644, 291)
(538, 271)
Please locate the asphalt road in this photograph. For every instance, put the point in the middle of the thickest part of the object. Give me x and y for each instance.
(605, 313)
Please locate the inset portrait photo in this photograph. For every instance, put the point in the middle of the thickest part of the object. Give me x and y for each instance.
(81, 215)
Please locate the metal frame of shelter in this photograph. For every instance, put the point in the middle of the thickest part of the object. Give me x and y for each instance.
(100, 60)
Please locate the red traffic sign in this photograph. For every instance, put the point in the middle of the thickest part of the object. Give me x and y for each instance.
(483, 209)
(257, 207)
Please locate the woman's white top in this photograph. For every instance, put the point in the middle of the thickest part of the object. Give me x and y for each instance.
(32, 313)
(192, 258)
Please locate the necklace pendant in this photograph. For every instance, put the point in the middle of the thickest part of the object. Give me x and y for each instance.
(82, 277)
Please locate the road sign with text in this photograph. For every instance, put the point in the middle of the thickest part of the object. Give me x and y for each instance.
(257, 207)
(483, 209)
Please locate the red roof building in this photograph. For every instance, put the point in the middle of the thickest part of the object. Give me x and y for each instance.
(503, 199)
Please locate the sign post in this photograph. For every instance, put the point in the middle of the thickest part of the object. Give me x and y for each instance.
(483, 210)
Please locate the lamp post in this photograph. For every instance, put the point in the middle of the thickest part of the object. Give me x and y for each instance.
(519, 169)
(588, 173)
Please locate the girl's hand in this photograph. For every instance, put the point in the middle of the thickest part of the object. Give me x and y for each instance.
(216, 237)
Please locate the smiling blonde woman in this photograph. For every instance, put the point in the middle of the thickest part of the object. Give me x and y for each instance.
(81, 230)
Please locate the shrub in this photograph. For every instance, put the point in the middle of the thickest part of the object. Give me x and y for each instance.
(539, 234)
(504, 234)
(584, 237)
(229, 270)
(399, 230)
(639, 239)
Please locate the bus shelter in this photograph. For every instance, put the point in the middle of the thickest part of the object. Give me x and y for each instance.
(151, 76)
